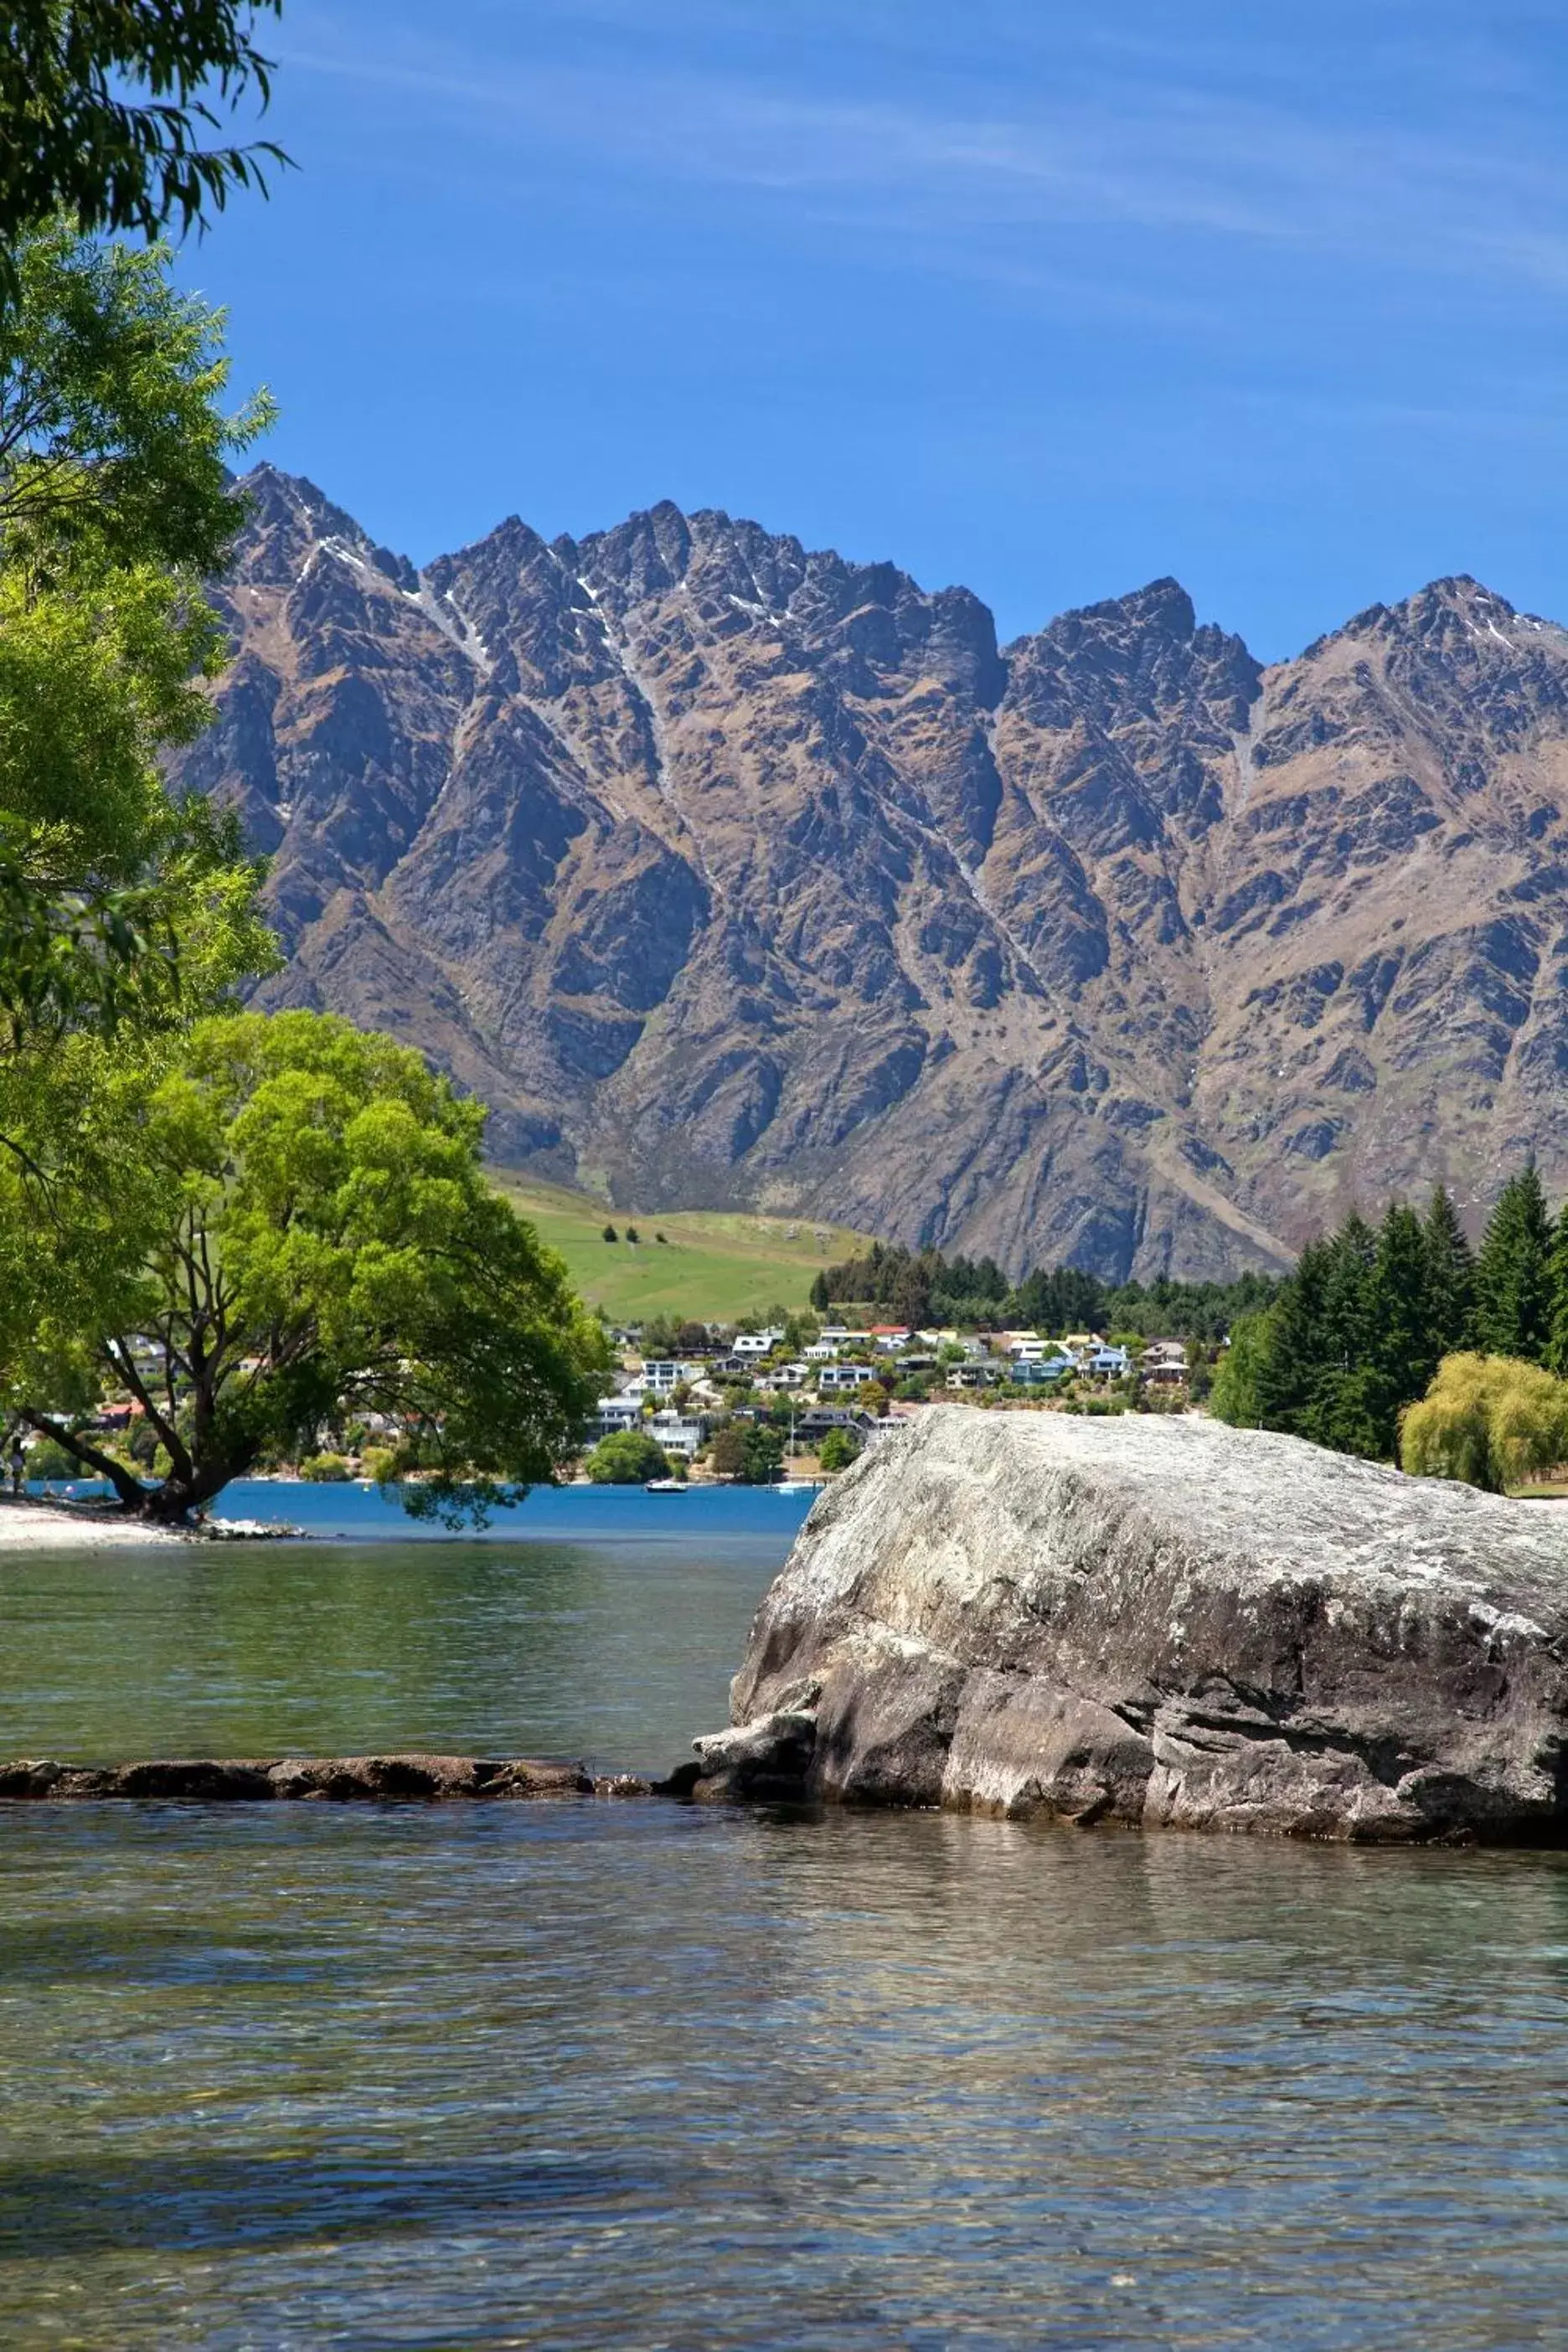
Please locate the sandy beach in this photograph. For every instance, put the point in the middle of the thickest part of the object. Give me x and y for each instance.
(29, 1525)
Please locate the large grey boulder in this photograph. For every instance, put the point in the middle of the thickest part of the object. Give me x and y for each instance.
(1163, 1622)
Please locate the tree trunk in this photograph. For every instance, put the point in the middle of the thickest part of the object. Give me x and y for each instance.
(172, 1503)
(125, 1483)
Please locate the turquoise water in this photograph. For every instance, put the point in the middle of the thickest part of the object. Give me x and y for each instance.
(635, 2074)
(584, 1514)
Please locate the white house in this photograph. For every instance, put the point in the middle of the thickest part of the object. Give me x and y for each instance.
(663, 1373)
(615, 1414)
(842, 1376)
(755, 1343)
(680, 1433)
(822, 1351)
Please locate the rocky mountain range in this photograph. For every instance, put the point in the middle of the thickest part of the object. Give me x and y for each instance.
(732, 873)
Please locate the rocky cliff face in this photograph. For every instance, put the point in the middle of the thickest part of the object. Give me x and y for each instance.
(1165, 1623)
(730, 872)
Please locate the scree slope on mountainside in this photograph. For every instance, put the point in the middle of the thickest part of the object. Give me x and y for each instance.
(731, 874)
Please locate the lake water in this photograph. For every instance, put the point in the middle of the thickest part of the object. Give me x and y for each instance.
(598, 2074)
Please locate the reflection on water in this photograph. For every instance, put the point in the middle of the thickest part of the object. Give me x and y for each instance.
(581, 2075)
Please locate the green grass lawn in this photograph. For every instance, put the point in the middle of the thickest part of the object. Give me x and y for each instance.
(715, 1266)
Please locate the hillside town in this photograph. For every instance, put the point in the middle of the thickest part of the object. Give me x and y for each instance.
(808, 1397)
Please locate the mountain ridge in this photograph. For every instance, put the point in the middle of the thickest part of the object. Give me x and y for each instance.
(735, 873)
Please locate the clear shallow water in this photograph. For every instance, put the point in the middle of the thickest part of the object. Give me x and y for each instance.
(636, 2076)
(598, 1621)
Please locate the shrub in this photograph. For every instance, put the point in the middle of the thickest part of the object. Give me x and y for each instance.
(48, 1460)
(324, 1469)
(837, 1450)
(628, 1458)
(1490, 1421)
(379, 1462)
(610, 1235)
(753, 1456)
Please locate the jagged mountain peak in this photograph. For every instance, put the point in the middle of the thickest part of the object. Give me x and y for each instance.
(1441, 611)
(1143, 653)
(732, 871)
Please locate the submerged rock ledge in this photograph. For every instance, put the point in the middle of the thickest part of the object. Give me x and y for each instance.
(1162, 1622)
(241, 1779)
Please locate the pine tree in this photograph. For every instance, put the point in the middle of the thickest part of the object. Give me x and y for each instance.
(1512, 1282)
(1338, 1414)
(1557, 1273)
(819, 1298)
(1402, 1353)
(1294, 1357)
(1451, 1285)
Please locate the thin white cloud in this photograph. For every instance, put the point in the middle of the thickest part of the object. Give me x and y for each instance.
(1128, 152)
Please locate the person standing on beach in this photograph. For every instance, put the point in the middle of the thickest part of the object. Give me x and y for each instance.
(19, 1463)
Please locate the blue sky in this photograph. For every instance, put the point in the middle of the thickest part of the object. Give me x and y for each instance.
(1049, 300)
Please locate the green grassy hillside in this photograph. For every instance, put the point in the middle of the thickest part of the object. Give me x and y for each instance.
(716, 1266)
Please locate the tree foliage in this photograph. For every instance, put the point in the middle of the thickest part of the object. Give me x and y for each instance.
(116, 905)
(1358, 1333)
(105, 106)
(296, 1219)
(1235, 1397)
(1490, 1421)
(1450, 1284)
(627, 1457)
(748, 1453)
(921, 1287)
(1513, 1288)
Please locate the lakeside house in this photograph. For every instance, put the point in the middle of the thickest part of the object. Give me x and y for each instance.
(615, 1414)
(680, 1433)
(664, 1374)
(1165, 1362)
(755, 1343)
(833, 1377)
(815, 1422)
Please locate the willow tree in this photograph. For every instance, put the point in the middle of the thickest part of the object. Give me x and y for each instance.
(1490, 1421)
(288, 1233)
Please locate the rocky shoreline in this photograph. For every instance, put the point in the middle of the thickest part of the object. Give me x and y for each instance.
(405, 1779)
(1154, 1624)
